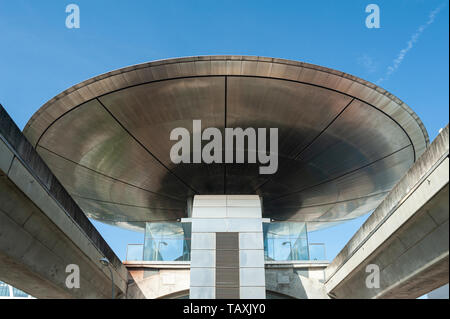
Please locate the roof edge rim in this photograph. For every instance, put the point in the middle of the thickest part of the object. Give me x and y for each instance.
(251, 58)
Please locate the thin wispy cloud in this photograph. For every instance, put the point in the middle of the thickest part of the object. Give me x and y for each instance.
(367, 63)
(410, 44)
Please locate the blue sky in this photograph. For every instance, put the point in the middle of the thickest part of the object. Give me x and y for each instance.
(40, 57)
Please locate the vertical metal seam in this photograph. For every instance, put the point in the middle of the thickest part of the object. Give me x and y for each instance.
(144, 147)
(312, 141)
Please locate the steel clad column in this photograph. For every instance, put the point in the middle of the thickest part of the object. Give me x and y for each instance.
(227, 252)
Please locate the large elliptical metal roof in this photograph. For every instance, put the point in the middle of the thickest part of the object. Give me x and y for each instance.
(343, 142)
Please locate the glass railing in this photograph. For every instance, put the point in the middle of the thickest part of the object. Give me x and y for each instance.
(317, 251)
(285, 249)
(280, 251)
(167, 249)
(170, 241)
(135, 252)
(167, 241)
(290, 250)
(285, 241)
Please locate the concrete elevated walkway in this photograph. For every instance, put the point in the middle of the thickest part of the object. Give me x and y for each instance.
(407, 236)
(42, 230)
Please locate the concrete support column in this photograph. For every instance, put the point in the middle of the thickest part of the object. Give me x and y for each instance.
(227, 250)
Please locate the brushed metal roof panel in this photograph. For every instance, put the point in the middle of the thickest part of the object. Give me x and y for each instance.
(111, 137)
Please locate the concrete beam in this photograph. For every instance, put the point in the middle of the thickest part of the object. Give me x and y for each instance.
(407, 236)
(297, 279)
(153, 280)
(42, 230)
(165, 279)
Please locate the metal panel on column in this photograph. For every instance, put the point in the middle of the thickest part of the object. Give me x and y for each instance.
(235, 223)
